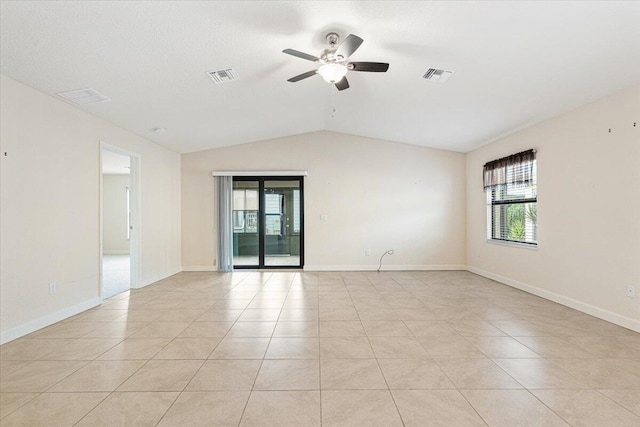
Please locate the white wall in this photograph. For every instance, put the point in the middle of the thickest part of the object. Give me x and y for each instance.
(50, 207)
(588, 210)
(114, 214)
(377, 195)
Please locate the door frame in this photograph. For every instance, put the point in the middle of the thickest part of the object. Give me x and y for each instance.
(261, 220)
(136, 208)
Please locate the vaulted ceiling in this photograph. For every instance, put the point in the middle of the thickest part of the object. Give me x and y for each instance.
(515, 63)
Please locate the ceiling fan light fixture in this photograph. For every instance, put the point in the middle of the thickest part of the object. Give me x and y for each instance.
(333, 63)
(332, 73)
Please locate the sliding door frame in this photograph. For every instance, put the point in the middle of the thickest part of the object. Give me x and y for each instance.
(262, 221)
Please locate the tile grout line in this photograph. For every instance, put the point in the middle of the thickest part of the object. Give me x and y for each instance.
(393, 399)
(472, 407)
(195, 373)
(263, 355)
(203, 363)
(546, 406)
(137, 370)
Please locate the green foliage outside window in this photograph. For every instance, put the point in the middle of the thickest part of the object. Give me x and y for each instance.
(517, 216)
(515, 221)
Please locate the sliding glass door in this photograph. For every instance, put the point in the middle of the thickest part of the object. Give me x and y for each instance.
(268, 222)
(282, 222)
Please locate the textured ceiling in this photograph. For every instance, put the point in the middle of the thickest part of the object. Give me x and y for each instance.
(516, 63)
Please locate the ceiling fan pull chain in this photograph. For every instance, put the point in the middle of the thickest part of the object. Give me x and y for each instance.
(333, 103)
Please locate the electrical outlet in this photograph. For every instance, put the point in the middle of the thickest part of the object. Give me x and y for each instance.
(52, 288)
(323, 218)
(631, 291)
(367, 252)
(215, 262)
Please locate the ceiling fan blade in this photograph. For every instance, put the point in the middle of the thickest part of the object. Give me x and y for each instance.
(302, 76)
(349, 45)
(374, 67)
(301, 55)
(342, 84)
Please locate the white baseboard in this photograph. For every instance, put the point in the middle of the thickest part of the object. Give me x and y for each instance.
(47, 320)
(598, 312)
(153, 279)
(200, 268)
(384, 267)
(115, 252)
(348, 267)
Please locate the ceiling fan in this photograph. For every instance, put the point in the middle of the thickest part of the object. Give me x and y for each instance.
(334, 61)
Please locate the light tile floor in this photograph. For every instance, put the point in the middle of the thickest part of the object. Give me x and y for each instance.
(331, 349)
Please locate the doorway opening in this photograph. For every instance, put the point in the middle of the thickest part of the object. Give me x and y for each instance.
(119, 183)
(268, 222)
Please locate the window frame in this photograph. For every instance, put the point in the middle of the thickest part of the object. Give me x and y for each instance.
(497, 201)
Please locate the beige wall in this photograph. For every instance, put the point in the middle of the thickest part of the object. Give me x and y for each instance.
(114, 214)
(377, 195)
(588, 210)
(50, 207)
(424, 203)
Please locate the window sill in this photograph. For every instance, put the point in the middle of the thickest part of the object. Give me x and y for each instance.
(514, 244)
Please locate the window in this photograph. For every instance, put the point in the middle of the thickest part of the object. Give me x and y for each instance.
(245, 211)
(273, 213)
(296, 211)
(512, 202)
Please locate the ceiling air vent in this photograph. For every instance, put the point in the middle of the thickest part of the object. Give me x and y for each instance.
(84, 96)
(437, 75)
(223, 76)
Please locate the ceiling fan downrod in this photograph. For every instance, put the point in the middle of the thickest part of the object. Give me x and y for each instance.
(332, 39)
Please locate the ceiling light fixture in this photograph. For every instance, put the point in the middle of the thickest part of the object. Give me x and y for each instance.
(332, 73)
